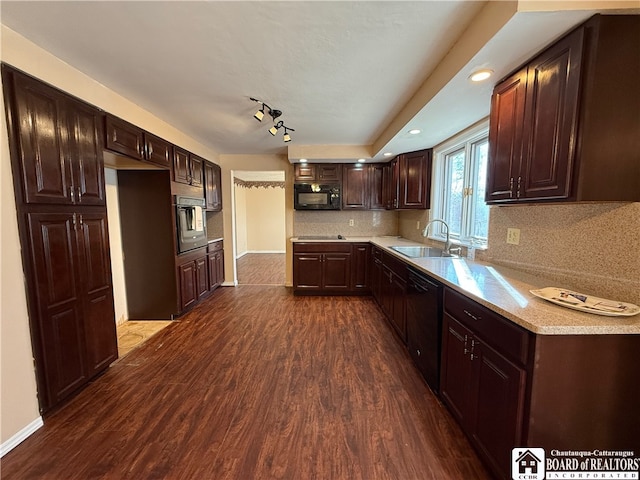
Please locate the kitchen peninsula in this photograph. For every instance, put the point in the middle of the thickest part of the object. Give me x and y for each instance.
(517, 370)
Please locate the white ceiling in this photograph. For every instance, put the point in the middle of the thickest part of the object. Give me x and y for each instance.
(343, 73)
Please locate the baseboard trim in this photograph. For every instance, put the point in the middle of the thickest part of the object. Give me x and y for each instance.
(21, 436)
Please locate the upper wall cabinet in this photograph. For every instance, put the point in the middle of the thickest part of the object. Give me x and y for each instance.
(318, 172)
(187, 167)
(127, 139)
(407, 180)
(212, 187)
(362, 186)
(566, 127)
(58, 141)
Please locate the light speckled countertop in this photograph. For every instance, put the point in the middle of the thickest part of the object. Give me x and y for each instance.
(505, 291)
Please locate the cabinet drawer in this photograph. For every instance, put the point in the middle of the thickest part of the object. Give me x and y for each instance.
(394, 264)
(214, 246)
(321, 248)
(501, 334)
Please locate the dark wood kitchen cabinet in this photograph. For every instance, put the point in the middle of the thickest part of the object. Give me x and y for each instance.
(318, 172)
(75, 326)
(56, 147)
(565, 126)
(355, 187)
(483, 379)
(363, 187)
(215, 262)
(414, 187)
(58, 141)
(212, 187)
(193, 280)
(407, 181)
(322, 268)
(127, 139)
(360, 268)
(187, 167)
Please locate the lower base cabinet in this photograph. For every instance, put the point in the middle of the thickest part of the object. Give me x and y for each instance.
(483, 379)
(199, 273)
(330, 268)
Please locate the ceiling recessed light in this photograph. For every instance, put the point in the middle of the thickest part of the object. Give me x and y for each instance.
(387, 154)
(414, 131)
(361, 160)
(481, 75)
(303, 160)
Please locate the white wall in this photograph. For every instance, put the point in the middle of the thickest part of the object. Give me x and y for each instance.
(115, 244)
(265, 220)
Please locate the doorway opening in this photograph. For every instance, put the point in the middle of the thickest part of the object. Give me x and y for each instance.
(259, 234)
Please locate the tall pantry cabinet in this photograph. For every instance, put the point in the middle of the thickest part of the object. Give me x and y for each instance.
(56, 145)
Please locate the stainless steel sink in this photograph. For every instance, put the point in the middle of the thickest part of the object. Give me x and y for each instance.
(417, 252)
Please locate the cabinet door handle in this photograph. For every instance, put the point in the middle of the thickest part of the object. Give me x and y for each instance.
(469, 314)
(418, 352)
(81, 220)
(72, 194)
(472, 356)
(511, 187)
(79, 194)
(150, 149)
(519, 182)
(465, 345)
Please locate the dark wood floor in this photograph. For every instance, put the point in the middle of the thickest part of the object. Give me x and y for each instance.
(255, 383)
(261, 269)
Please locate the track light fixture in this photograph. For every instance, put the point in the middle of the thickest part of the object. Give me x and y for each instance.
(273, 113)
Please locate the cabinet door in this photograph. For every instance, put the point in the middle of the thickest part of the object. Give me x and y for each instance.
(330, 172)
(60, 345)
(355, 187)
(304, 172)
(124, 138)
(376, 278)
(336, 269)
(307, 271)
(212, 187)
(456, 379)
(86, 133)
(216, 269)
(391, 179)
(181, 166)
(498, 412)
(196, 166)
(551, 120)
(505, 137)
(98, 308)
(40, 122)
(202, 280)
(415, 180)
(157, 150)
(376, 186)
(188, 284)
(360, 267)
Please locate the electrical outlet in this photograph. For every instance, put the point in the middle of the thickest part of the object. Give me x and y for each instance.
(351, 222)
(418, 225)
(513, 236)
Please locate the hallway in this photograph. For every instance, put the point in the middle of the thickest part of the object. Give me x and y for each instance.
(255, 383)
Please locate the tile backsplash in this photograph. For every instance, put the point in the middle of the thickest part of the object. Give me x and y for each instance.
(592, 248)
(366, 223)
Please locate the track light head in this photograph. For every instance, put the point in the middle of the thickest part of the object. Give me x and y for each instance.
(274, 113)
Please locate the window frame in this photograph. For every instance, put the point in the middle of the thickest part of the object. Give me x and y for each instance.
(467, 140)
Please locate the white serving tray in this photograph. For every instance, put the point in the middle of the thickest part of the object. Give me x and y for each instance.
(586, 303)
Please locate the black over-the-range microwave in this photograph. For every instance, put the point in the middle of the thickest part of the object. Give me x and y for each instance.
(314, 196)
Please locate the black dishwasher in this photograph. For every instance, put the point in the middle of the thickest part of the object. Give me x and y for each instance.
(424, 325)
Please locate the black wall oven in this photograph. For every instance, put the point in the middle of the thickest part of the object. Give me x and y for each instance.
(191, 225)
(313, 196)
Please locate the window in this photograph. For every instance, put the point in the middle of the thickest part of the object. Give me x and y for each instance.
(459, 188)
